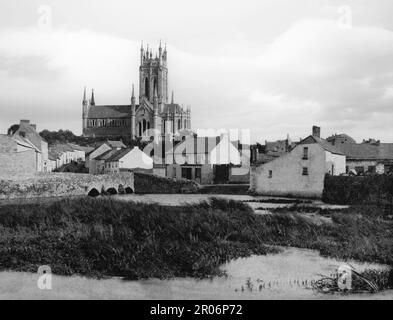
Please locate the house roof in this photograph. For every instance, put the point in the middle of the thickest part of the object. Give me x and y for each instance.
(199, 145)
(265, 158)
(25, 142)
(365, 151)
(118, 155)
(116, 144)
(342, 137)
(61, 148)
(52, 155)
(323, 143)
(28, 133)
(137, 158)
(110, 111)
(79, 148)
(106, 155)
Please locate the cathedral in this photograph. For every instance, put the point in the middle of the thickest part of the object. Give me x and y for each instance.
(153, 111)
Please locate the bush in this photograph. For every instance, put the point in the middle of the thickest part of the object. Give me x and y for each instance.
(146, 183)
(374, 189)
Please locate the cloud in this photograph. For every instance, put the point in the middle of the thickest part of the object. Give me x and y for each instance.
(313, 73)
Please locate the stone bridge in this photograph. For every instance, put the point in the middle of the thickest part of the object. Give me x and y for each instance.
(67, 184)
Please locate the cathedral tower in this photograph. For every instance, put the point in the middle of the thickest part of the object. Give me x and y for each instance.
(153, 75)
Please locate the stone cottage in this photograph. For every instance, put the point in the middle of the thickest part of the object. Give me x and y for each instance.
(300, 172)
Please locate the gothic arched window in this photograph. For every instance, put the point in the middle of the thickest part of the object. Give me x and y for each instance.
(146, 87)
(178, 124)
(155, 85)
(148, 125)
(185, 124)
(140, 128)
(144, 125)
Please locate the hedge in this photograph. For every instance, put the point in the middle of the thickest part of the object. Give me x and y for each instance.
(147, 183)
(350, 190)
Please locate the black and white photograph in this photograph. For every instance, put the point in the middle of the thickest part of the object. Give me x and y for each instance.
(181, 150)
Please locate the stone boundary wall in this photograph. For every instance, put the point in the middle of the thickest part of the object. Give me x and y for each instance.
(66, 184)
(18, 164)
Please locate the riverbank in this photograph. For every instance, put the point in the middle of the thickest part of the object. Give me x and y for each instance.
(285, 272)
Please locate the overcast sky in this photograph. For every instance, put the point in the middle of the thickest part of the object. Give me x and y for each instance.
(273, 66)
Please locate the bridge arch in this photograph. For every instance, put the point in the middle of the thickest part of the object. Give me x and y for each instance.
(93, 193)
(128, 190)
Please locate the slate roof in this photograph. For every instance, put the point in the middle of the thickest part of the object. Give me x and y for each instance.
(80, 148)
(323, 143)
(118, 155)
(27, 132)
(116, 144)
(53, 155)
(106, 155)
(365, 151)
(104, 112)
(343, 137)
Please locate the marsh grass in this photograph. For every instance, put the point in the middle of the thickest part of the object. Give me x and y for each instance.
(106, 237)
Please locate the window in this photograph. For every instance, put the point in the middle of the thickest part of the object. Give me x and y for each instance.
(186, 173)
(146, 87)
(270, 174)
(305, 171)
(372, 169)
(198, 174)
(305, 153)
(359, 170)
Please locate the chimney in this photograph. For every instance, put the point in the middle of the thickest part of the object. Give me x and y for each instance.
(316, 131)
(25, 122)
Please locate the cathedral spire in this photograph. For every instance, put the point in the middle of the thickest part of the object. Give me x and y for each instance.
(133, 96)
(84, 96)
(160, 49)
(92, 101)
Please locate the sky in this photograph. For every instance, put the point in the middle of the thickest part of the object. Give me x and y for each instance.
(275, 67)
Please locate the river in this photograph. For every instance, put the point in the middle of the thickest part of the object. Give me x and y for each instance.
(285, 272)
